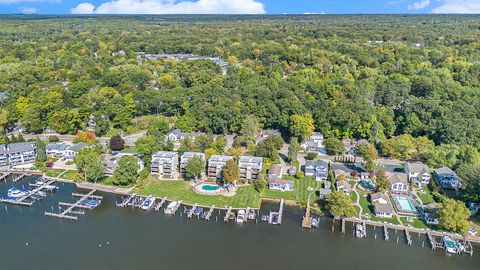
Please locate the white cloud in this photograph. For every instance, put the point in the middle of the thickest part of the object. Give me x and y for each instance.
(174, 7)
(458, 6)
(28, 10)
(83, 8)
(314, 13)
(419, 5)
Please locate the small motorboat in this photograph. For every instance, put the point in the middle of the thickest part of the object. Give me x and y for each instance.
(241, 216)
(198, 211)
(16, 193)
(360, 231)
(251, 214)
(92, 203)
(450, 245)
(148, 203)
(171, 207)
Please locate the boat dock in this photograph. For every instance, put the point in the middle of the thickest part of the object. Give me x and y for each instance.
(78, 204)
(18, 178)
(275, 218)
(227, 214)
(160, 204)
(209, 213)
(36, 191)
(126, 201)
(191, 211)
(408, 237)
(4, 176)
(385, 232)
(175, 209)
(306, 218)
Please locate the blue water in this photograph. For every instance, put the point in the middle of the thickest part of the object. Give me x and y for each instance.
(210, 187)
(108, 238)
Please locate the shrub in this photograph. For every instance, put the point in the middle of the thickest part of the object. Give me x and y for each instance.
(53, 138)
(300, 175)
(311, 156)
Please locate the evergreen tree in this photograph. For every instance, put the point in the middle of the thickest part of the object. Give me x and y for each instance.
(41, 155)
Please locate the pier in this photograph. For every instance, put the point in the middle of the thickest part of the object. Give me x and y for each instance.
(408, 237)
(127, 201)
(385, 232)
(209, 213)
(160, 204)
(174, 210)
(191, 211)
(23, 200)
(18, 178)
(306, 219)
(4, 176)
(275, 218)
(78, 204)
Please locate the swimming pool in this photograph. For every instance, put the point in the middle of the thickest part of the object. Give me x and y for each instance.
(210, 187)
(404, 204)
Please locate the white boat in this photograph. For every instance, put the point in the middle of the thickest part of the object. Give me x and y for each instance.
(148, 203)
(170, 210)
(241, 216)
(16, 193)
(251, 214)
(360, 231)
(450, 245)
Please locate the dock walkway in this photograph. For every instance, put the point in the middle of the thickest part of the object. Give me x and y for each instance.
(77, 204)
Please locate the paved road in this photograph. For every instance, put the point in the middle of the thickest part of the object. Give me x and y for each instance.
(129, 140)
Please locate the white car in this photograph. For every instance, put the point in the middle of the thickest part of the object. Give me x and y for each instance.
(367, 215)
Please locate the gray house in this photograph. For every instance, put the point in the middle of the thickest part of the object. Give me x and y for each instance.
(317, 169)
(17, 153)
(165, 163)
(447, 178)
(250, 167)
(216, 164)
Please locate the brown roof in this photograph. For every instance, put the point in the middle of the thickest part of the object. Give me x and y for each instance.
(280, 181)
(275, 169)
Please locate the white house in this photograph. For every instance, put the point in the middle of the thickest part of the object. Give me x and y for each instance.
(56, 149)
(314, 144)
(381, 205)
(73, 150)
(17, 153)
(418, 173)
(280, 184)
(398, 182)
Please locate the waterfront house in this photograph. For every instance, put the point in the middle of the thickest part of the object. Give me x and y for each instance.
(267, 133)
(186, 157)
(317, 169)
(111, 162)
(73, 150)
(250, 167)
(280, 184)
(56, 149)
(398, 182)
(165, 163)
(344, 186)
(429, 213)
(381, 205)
(418, 173)
(275, 171)
(20, 153)
(216, 164)
(3, 155)
(447, 178)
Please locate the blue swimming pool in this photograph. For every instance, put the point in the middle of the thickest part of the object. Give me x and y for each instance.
(210, 187)
(405, 204)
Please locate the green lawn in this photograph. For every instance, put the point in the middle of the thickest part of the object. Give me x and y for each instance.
(353, 195)
(129, 150)
(53, 172)
(181, 190)
(417, 223)
(299, 193)
(427, 197)
(70, 174)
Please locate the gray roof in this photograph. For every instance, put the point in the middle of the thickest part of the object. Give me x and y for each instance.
(394, 178)
(190, 155)
(247, 161)
(21, 147)
(417, 167)
(445, 171)
(383, 208)
(377, 196)
(78, 146)
(219, 158)
(57, 146)
(344, 184)
(324, 191)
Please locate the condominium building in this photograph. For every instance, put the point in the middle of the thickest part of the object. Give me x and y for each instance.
(250, 167)
(216, 164)
(165, 163)
(17, 153)
(186, 157)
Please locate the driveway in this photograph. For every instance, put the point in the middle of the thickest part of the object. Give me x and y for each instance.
(61, 164)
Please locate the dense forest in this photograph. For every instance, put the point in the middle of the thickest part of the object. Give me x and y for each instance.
(372, 77)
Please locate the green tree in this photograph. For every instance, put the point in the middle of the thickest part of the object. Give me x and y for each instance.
(219, 144)
(195, 167)
(146, 147)
(126, 172)
(369, 154)
(334, 146)
(293, 149)
(40, 156)
(453, 215)
(231, 172)
(158, 127)
(90, 164)
(381, 181)
(301, 126)
(340, 205)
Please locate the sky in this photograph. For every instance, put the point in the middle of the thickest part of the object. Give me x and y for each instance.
(237, 6)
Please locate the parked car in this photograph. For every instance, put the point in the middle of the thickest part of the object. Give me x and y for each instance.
(49, 164)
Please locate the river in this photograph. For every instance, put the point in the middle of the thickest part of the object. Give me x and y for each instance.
(123, 238)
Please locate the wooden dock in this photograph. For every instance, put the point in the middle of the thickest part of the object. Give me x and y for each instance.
(4, 176)
(126, 201)
(306, 218)
(72, 206)
(23, 200)
(385, 232)
(18, 178)
(192, 210)
(275, 218)
(209, 213)
(227, 214)
(160, 204)
(408, 237)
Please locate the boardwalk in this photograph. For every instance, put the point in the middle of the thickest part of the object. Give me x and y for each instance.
(18, 178)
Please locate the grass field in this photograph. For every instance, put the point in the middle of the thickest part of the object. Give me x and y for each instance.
(53, 172)
(181, 190)
(299, 193)
(70, 174)
(417, 223)
(427, 197)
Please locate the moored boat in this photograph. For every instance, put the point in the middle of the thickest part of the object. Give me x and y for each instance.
(241, 216)
(16, 193)
(450, 245)
(148, 203)
(170, 210)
